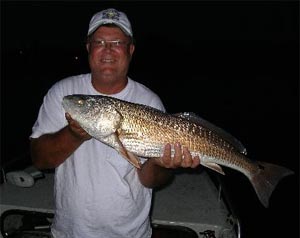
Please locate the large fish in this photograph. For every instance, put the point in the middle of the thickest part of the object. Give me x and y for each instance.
(136, 130)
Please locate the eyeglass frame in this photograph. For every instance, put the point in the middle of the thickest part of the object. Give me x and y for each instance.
(114, 44)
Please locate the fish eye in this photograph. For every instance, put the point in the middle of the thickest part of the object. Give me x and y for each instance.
(80, 102)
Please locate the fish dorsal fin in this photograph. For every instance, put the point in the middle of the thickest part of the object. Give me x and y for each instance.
(194, 118)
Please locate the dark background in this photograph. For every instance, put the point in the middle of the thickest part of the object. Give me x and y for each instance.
(235, 64)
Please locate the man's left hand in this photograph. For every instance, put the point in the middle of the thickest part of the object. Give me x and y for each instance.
(182, 158)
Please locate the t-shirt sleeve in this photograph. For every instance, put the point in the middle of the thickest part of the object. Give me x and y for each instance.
(157, 103)
(51, 117)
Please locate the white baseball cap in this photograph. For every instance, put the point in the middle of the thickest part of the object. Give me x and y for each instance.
(110, 16)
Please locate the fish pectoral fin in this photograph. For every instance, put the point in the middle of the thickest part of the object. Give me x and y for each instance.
(130, 157)
(214, 167)
(134, 160)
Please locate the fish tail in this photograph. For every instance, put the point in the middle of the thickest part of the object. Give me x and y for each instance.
(266, 178)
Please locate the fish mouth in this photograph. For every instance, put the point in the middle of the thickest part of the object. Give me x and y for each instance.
(75, 97)
(66, 102)
(70, 101)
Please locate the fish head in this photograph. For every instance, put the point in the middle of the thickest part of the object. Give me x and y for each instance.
(80, 106)
(95, 114)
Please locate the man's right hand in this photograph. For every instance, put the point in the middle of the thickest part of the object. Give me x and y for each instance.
(76, 129)
(52, 149)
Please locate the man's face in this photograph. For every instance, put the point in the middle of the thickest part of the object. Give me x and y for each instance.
(110, 52)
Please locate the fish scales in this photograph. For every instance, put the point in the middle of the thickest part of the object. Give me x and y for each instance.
(165, 134)
(138, 130)
(140, 125)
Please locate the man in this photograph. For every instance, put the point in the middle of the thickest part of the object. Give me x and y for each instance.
(97, 192)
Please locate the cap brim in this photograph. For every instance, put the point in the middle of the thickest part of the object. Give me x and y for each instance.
(105, 22)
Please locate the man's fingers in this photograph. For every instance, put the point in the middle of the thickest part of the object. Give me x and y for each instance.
(182, 157)
(67, 115)
(187, 159)
(76, 129)
(177, 159)
(166, 159)
(196, 162)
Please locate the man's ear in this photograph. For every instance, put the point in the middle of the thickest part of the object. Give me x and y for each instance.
(88, 47)
(131, 49)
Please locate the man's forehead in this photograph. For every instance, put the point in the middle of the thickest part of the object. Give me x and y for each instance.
(110, 29)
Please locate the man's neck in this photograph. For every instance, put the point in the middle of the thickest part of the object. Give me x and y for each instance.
(106, 86)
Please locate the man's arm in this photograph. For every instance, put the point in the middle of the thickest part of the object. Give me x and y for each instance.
(50, 150)
(157, 172)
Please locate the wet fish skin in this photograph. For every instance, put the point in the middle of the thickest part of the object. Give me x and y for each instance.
(139, 130)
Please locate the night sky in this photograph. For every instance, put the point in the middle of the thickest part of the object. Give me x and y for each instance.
(235, 64)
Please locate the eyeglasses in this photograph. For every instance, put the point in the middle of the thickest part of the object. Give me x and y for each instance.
(113, 44)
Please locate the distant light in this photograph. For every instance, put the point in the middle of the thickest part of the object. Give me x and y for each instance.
(76, 58)
(20, 52)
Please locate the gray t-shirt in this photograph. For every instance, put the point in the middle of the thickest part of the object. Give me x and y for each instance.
(97, 192)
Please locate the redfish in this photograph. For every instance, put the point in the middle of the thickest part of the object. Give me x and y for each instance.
(136, 130)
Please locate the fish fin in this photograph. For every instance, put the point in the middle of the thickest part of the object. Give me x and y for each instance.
(214, 167)
(265, 180)
(130, 157)
(134, 160)
(194, 118)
